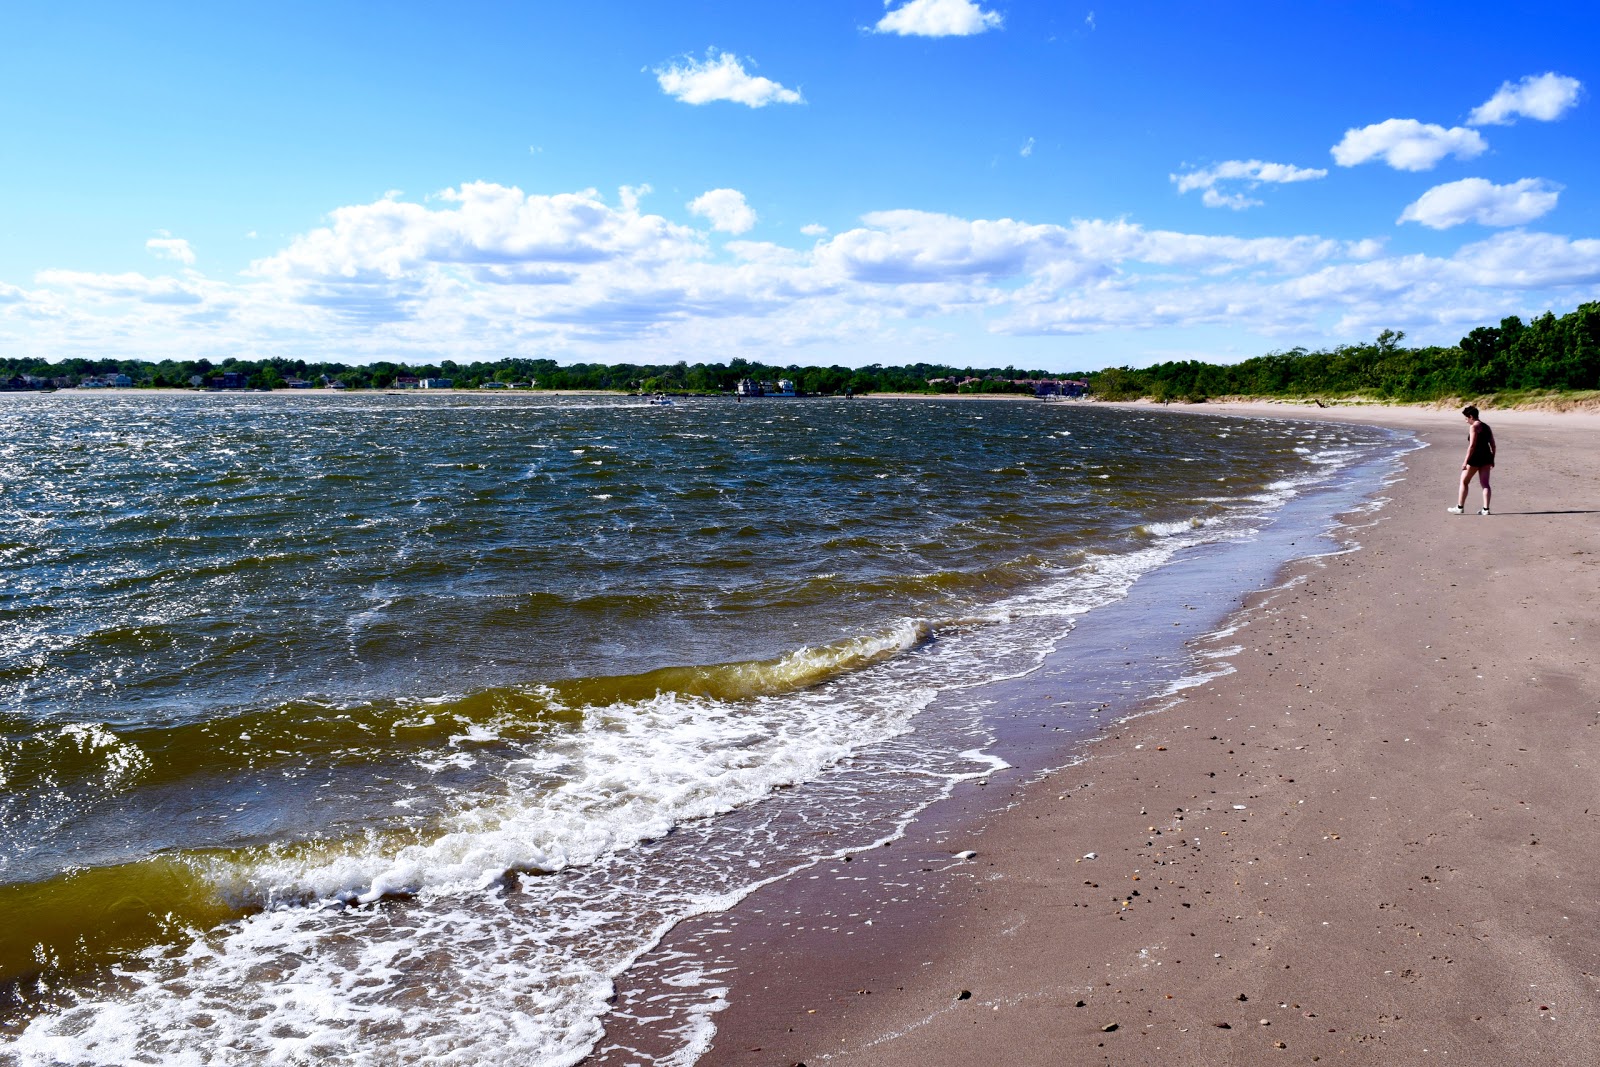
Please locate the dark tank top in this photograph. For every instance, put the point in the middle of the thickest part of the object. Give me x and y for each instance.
(1482, 454)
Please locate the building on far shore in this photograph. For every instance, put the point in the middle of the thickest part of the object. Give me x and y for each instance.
(748, 387)
(436, 383)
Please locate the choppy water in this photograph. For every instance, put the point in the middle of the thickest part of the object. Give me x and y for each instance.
(384, 729)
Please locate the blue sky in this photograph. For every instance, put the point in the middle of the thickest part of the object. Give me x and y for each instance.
(1063, 186)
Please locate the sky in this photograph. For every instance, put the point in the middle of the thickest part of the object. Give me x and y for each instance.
(1046, 185)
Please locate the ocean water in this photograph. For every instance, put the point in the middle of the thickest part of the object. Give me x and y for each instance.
(390, 729)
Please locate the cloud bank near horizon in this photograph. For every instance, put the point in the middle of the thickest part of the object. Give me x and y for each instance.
(482, 270)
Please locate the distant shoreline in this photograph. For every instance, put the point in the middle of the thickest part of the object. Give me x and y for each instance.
(1352, 410)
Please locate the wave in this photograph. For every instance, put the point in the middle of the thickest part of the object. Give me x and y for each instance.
(635, 756)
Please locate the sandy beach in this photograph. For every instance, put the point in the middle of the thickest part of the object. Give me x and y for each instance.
(1372, 842)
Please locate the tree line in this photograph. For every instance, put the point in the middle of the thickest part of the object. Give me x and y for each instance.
(681, 377)
(1548, 353)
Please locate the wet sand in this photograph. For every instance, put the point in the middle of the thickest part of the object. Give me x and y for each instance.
(1374, 842)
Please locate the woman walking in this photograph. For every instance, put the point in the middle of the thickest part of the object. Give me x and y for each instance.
(1479, 461)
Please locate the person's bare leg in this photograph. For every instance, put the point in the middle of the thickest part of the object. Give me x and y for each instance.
(1466, 480)
(1483, 480)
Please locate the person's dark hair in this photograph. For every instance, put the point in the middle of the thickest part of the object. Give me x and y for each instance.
(1470, 412)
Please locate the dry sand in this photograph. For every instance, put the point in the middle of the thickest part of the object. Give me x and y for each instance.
(1376, 842)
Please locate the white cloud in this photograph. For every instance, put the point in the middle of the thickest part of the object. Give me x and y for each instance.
(1234, 201)
(1089, 20)
(1518, 259)
(1545, 97)
(1027, 149)
(171, 248)
(721, 76)
(483, 271)
(1406, 144)
(813, 229)
(1483, 202)
(726, 210)
(121, 287)
(915, 247)
(630, 195)
(938, 18)
(489, 226)
(1252, 172)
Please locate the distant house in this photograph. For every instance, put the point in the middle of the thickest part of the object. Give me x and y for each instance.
(747, 387)
(493, 385)
(297, 383)
(406, 381)
(1069, 387)
(18, 383)
(436, 383)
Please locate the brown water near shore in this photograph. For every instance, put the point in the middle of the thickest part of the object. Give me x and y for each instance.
(1373, 843)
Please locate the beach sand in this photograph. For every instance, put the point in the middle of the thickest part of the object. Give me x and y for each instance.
(1376, 841)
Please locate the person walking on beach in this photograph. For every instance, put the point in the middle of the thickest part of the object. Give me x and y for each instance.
(1479, 461)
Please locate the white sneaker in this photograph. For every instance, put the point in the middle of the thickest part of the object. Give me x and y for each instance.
(1483, 511)
(1454, 511)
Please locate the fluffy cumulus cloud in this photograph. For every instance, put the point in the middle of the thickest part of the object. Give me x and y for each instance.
(169, 247)
(482, 271)
(1545, 97)
(485, 227)
(725, 209)
(938, 18)
(1483, 202)
(721, 76)
(1217, 181)
(1518, 259)
(1406, 144)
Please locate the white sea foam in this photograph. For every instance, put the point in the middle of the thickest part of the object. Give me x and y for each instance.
(1167, 529)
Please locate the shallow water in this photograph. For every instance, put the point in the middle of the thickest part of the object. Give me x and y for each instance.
(389, 728)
